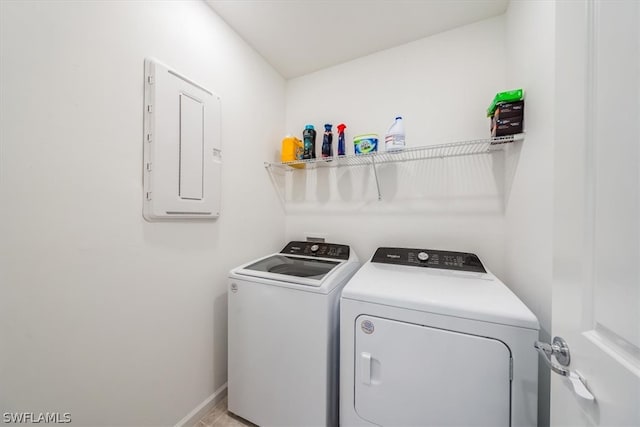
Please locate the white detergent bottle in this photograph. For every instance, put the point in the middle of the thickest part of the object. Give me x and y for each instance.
(394, 140)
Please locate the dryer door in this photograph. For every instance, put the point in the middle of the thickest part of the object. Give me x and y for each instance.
(414, 375)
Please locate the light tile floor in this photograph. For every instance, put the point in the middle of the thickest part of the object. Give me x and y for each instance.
(220, 417)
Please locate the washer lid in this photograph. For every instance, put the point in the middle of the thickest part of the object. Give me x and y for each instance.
(469, 295)
(291, 268)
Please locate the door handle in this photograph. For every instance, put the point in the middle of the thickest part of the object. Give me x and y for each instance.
(365, 368)
(560, 350)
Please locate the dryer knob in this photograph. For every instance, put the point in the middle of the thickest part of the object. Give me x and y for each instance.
(314, 248)
(423, 256)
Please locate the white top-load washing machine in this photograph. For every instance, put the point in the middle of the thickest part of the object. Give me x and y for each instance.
(431, 338)
(283, 335)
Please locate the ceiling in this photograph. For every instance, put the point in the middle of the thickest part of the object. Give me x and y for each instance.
(298, 37)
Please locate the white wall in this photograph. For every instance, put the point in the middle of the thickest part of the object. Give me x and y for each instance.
(530, 35)
(441, 85)
(103, 315)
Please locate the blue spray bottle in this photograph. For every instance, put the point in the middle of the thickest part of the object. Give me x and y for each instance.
(341, 127)
(327, 141)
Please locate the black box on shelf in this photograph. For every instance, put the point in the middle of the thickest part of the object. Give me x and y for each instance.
(504, 110)
(508, 118)
(508, 126)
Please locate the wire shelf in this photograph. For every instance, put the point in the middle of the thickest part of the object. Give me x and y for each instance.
(440, 151)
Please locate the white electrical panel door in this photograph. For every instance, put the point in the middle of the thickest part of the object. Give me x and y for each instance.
(182, 147)
(414, 375)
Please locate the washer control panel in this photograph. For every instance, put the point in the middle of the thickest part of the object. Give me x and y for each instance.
(429, 258)
(322, 250)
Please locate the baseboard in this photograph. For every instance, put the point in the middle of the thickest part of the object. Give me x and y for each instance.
(192, 418)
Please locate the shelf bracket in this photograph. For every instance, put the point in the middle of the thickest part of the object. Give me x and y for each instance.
(375, 175)
(281, 196)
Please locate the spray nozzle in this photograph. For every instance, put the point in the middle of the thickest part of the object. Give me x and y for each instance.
(341, 127)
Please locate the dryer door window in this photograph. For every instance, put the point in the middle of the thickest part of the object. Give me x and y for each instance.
(415, 375)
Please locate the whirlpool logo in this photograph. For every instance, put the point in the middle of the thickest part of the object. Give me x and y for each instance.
(367, 326)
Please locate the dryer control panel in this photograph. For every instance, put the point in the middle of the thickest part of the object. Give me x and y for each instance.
(429, 258)
(322, 250)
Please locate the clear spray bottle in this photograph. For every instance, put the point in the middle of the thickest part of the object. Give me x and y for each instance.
(341, 127)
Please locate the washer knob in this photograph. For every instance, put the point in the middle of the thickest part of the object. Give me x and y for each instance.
(423, 256)
(314, 248)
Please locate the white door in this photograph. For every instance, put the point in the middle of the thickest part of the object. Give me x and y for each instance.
(596, 290)
(413, 375)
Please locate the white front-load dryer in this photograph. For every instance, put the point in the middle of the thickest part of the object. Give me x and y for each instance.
(431, 338)
(283, 335)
